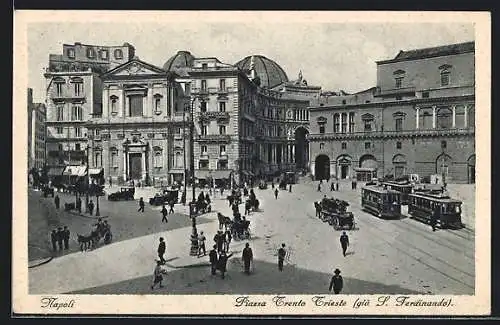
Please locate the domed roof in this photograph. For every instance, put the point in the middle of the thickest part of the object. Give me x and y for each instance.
(180, 63)
(268, 71)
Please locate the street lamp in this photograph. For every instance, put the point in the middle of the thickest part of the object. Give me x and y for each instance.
(184, 192)
(192, 215)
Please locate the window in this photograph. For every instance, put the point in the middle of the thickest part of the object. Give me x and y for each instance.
(114, 104)
(158, 158)
(78, 88)
(114, 158)
(336, 123)
(443, 144)
(398, 145)
(71, 53)
(399, 98)
(222, 164)
(445, 78)
(203, 130)
(60, 113)
(203, 164)
(444, 118)
(77, 147)
(178, 162)
(368, 145)
(157, 104)
(351, 122)
(321, 146)
(399, 82)
(322, 128)
(203, 150)
(76, 113)
(90, 53)
(222, 84)
(222, 106)
(222, 149)
(98, 159)
(368, 125)
(59, 89)
(399, 123)
(204, 66)
(203, 106)
(118, 54)
(135, 105)
(425, 94)
(222, 129)
(97, 132)
(344, 145)
(78, 132)
(104, 54)
(203, 85)
(59, 130)
(178, 130)
(344, 122)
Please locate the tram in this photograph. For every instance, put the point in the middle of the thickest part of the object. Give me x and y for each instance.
(423, 204)
(381, 201)
(404, 188)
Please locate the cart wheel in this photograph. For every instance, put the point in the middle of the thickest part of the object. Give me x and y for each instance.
(336, 223)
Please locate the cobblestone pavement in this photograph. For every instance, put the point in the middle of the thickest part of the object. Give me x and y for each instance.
(385, 256)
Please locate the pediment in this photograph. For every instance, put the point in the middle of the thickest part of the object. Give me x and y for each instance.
(135, 68)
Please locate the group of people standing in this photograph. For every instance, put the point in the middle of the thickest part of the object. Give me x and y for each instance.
(58, 237)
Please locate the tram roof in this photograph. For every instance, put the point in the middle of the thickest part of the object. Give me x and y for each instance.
(392, 183)
(379, 189)
(435, 197)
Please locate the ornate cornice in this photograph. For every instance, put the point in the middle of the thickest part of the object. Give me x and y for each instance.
(391, 134)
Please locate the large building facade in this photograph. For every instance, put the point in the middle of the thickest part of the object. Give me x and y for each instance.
(74, 96)
(419, 119)
(36, 133)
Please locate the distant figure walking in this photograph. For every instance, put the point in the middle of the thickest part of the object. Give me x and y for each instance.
(158, 275)
(141, 205)
(201, 244)
(66, 237)
(319, 186)
(222, 263)
(162, 247)
(171, 203)
(213, 259)
(57, 201)
(337, 283)
(164, 213)
(332, 186)
(281, 257)
(229, 237)
(276, 193)
(344, 242)
(247, 257)
(53, 239)
(91, 207)
(434, 219)
(79, 204)
(60, 238)
(290, 188)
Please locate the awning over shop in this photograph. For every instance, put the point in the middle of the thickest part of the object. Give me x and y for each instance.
(95, 171)
(75, 171)
(215, 174)
(55, 171)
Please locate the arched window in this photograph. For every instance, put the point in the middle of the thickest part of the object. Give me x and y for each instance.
(444, 118)
(471, 117)
(157, 158)
(97, 158)
(179, 163)
(157, 103)
(118, 54)
(344, 122)
(90, 53)
(114, 104)
(114, 158)
(336, 123)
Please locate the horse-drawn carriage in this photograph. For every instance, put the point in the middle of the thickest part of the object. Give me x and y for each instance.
(240, 228)
(235, 197)
(282, 185)
(262, 185)
(99, 231)
(335, 212)
(252, 204)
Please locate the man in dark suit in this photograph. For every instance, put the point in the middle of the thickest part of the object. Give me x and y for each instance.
(213, 259)
(247, 257)
(337, 283)
(66, 237)
(344, 242)
(281, 257)
(60, 237)
(161, 250)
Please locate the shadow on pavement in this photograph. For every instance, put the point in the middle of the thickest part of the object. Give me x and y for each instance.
(265, 279)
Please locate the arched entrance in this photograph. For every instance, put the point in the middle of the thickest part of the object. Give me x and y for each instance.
(443, 165)
(322, 167)
(343, 167)
(471, 169)
(301, 148)
(367, 168)
(399, 165)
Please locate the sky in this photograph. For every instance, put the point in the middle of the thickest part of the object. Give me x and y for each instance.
(334, 56)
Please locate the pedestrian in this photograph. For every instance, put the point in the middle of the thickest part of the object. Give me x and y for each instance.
(290, 188)
(66, 234)
(222, 190)
(91, 207)
(164, 213)
(248, 206)
(319, 186)
(213, 259)
(354, 183)
(158, 274)
(79, 204)
(337, 282)
(60, 238)
(332, 186)
(56, 202)
(219, 241)
(171, 203)
(276, 193)
(53, 239)
(222, 263)
(272, 183)
(228, 239)
(344, 242)
(110, 182)
(141, 205)
(336, 185)
(162, 247)
(281, 257)
(247, 257)
(434, 219)
(201, 244)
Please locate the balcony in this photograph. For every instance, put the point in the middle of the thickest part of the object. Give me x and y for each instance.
(199, 91)
(68, 97)
(219, 116)
(392, 134)
(219, 138)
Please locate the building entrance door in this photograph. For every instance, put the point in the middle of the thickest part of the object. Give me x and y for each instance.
(344, 169)
(135, 163)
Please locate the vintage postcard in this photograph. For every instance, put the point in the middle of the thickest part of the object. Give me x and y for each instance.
(251, 163)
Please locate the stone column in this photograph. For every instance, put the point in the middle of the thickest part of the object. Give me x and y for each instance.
(105, 102)
(125, 165)
(433, 117)
(126, 111)
(143, 156)
(121, 102)
(453, 121)
(313, 167)
(293, 153)
(466, 113)
(417, 118)
(148, 108)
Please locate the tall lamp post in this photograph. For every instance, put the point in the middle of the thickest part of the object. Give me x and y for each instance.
(184, 192)
(192, 214)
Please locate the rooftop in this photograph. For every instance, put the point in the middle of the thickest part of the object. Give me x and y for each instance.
(430, 52)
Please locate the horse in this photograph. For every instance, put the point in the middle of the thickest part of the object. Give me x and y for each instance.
(87, 242)
(223, 221)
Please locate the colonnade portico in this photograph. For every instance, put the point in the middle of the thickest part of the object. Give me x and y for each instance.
(453, 119)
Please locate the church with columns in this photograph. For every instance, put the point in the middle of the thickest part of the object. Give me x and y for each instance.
(418, 119)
